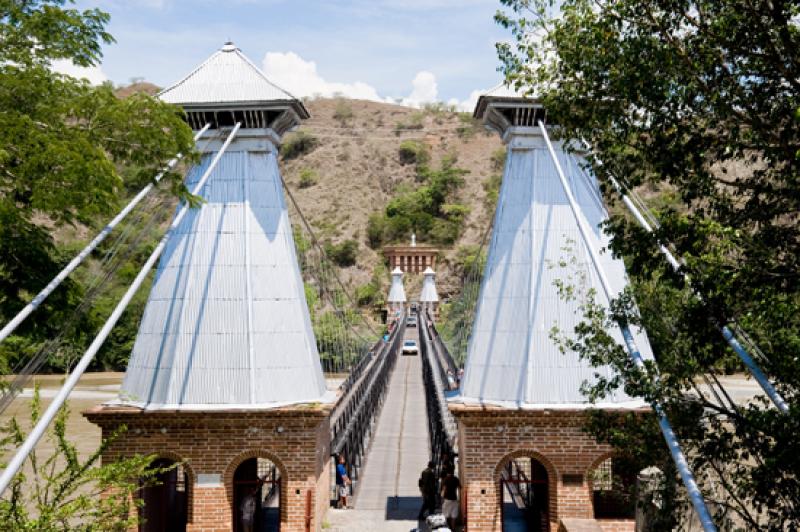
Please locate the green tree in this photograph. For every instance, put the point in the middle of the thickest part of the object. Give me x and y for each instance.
(63, 146)
(699, 100)
(62, 492)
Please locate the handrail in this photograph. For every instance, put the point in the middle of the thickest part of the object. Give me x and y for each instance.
(354, 415)
(441, 423)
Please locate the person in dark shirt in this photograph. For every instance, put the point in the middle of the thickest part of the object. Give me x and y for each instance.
(450, 488)
(342, 483)
(427, 487)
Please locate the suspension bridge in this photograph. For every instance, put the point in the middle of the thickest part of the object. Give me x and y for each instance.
(254, 371)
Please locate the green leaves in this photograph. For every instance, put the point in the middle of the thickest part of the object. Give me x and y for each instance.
(70, 154)
(39, 31)
(429, 210)
(694, 105)
(63, 491)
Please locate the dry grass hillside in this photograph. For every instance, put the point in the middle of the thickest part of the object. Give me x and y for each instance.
(358, 169)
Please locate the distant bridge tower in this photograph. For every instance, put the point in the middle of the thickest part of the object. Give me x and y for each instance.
(397, 302)
(428, 297)
(520, 410)
(225, 373)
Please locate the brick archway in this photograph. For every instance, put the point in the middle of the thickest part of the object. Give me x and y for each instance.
(236, 461)
(191, 479)
(552, 478)
(590, 480)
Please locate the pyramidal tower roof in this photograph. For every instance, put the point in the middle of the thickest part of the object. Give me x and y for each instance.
(226, 325)
(397, 294)
(227, 87)
(536, 244)
(428, 293)
(226, 77)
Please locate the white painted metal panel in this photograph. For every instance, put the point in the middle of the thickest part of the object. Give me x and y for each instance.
(226, 324)
(512, 359)
(428, 293)
(397, 293)
(228, 76)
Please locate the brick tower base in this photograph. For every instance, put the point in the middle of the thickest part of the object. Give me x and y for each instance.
(490, 437)
(213, 444)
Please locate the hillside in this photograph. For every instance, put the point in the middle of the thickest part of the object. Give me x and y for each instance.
(359, 169)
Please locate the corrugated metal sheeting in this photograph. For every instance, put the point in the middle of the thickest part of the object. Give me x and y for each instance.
(227, 76)
(226, 324)
(397, 294)
(512, 359)
(428, 293)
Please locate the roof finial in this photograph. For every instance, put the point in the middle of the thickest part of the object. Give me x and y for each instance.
(228, 46)
(413, 240)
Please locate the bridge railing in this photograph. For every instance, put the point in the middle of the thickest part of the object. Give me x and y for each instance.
(447, 364)
(441, 423)
(363, 392)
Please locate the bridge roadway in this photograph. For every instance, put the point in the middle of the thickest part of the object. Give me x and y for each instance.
(388, 498)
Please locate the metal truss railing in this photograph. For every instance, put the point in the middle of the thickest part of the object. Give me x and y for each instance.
(441, 423)
(363, 392)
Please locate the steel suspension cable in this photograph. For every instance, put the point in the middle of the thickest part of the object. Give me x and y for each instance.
(52, 410)
(316, 243)
(24, 372)
(681, 463)
(729, 336)
(69, 268)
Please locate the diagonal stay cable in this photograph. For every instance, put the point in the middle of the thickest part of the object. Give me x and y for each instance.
(679, 458)
(50, 413)
(316, 244)
(110, 264)
(86, 251)
(729, 335)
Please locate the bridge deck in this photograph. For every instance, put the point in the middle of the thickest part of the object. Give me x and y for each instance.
(388, 497)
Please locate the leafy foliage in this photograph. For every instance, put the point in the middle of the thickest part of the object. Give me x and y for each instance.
(414, 152)
(343, 111)
(498, 159)
(372, 293)
(415, 121)
(468, 126)
(699, 99)
(64, 492)
(308, 178)
(298, 144)
(69, 152)
(429, 210)
(342, 254)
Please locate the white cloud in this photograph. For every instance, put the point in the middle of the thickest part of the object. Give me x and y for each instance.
(300, 77)
(424, 89)
(93, 74)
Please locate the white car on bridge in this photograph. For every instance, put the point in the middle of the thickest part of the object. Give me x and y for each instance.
(410, 347)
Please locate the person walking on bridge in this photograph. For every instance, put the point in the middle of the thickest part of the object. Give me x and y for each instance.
(342, 483)
(427, 487)
(450, 487)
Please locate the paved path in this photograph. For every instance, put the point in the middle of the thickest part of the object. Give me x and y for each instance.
(388, 497)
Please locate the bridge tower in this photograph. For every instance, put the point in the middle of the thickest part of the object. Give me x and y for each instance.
(428, 296)
(524, 459)
(225, 376)
(397, 302)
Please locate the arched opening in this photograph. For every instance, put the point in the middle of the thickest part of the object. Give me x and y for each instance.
(613, 489)
(524, 495)
(257, 496)
(165, 507)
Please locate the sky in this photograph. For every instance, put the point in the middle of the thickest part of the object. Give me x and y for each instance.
(409, 51)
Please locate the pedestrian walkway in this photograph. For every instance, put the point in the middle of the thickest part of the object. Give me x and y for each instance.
(388, 498)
